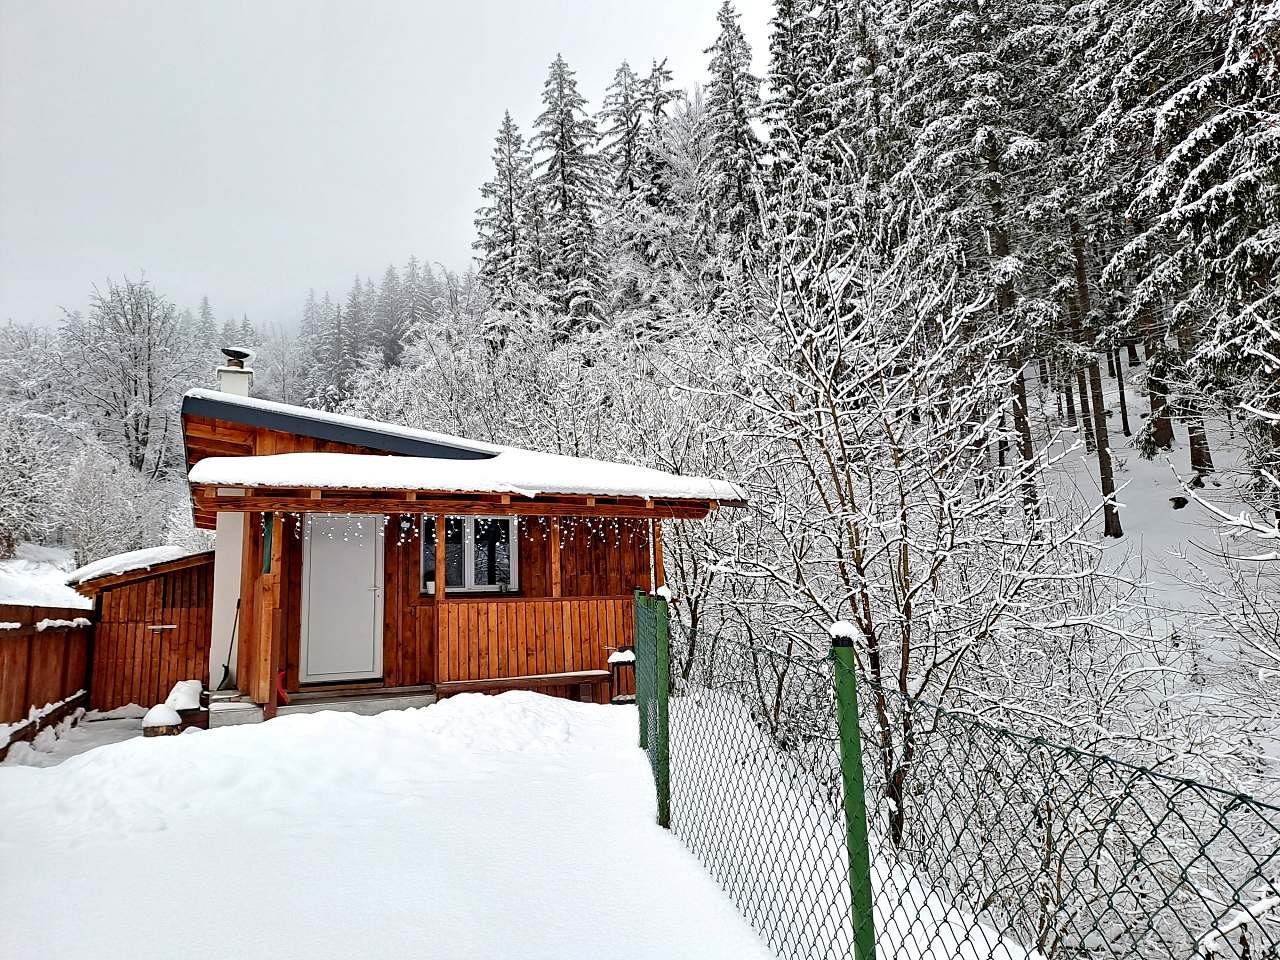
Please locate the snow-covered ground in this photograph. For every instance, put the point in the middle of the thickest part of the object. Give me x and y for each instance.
(36, 576)
(509, 826)
(52, 745)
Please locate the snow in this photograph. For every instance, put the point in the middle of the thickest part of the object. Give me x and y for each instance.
(512, 471)
(36, 577)
(56, 624)
(515, 825)
(161, 715)
(185, 695)
(53, 745)
(622, 656)
(773, 834)
(10, 625)
(842, 629)
(133, 560)
(664, 591)
(130, 711)
(35, 714)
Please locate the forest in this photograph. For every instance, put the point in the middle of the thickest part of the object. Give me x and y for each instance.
(931, 290)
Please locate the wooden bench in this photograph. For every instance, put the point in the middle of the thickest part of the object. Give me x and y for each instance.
(580, 681)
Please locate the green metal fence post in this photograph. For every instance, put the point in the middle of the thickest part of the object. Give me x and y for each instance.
(662, 680)
(855, 801)
(643, 650)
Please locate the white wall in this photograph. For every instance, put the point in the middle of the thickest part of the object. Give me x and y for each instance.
(227, 554)
(227, 557)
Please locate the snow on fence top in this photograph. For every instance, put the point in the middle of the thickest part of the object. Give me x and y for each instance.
(126, 562)
(511, 471)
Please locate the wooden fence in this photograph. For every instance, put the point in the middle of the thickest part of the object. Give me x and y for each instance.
(480, 639)
(45, 659)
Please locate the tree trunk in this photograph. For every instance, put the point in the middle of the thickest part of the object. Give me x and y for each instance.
(1197, 439)
(1086, 410)
(1111, 365)
(1071, 403)
(1124, 400)
(1002, 448)
(1157, 393)
(1005, 300)
(1132, 347)
(1110, 512)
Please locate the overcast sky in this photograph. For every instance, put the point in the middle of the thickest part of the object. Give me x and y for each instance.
(252, 150)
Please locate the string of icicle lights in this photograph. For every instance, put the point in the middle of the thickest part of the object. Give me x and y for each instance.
(612, 531)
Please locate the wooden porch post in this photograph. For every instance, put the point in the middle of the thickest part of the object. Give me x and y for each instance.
(555, 556)
(439, 590)
(272, 621)
(659, 577)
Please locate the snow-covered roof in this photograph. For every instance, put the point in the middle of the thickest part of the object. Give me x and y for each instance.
(143, 559)
(509, 471)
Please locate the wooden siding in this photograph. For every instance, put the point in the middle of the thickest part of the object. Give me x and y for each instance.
(511, 637)
(40, 666)
(577, 637)
(134, 663)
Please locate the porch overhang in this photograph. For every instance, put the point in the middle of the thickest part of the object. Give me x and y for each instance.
(210, 500)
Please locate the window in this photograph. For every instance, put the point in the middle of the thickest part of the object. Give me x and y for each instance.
(480, 555)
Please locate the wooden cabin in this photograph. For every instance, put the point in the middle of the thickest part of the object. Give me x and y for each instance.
(359, 556)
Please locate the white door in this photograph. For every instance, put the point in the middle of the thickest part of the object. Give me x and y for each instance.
(341, 598)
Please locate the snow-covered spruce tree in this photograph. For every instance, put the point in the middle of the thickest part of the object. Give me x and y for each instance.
(621, 126)
(207, 328)
(1135, 56)
(125, 364)
(248, 332)
(673, 252)
(570, 186)
(658, 96)
(390, 324)
(973, 99)
(1213, 205)
(328, 359)
(500, 222)
(733, 106)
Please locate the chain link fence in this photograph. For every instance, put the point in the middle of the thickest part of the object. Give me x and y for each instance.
(982, 843)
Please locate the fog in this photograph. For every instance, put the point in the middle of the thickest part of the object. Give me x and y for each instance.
(250, 151)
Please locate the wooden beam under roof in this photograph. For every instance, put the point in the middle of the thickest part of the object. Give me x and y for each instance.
(207, 499)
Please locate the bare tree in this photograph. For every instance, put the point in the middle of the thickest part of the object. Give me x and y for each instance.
(124, 366)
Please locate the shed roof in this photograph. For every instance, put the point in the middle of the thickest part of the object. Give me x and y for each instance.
(135, 564)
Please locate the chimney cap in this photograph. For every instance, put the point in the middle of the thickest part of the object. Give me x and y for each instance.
(236, 356)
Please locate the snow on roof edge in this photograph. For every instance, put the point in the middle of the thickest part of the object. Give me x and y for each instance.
(129, 561)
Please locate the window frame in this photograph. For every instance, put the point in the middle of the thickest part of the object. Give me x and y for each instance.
(427, 588)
